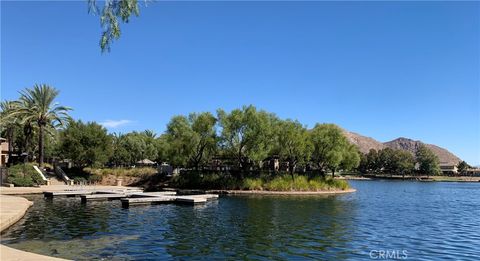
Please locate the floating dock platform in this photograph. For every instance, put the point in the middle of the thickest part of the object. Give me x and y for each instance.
(132, 196)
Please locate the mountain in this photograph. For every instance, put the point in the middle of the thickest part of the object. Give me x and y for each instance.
(366, 143)
(363, 143)
(409, 145)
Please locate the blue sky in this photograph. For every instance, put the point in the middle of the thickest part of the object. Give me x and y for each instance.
(385, 70)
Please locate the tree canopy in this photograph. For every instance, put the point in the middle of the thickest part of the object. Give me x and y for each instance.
(247, 135)
(428, 162)
(331, 148)
(86, 144)
(292, 143)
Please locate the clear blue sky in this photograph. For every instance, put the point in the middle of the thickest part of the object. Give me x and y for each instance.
(384, 70)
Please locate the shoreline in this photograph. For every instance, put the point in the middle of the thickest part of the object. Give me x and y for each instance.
(12, 209)
(286, 193)
(41, 189)
(414, 178)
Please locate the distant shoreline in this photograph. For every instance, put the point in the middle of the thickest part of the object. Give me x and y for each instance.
(268, 192)
(415, 178)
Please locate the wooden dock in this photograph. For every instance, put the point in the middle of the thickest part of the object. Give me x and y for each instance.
(189, 199)
(80, 192)
(95, 197)
(51, 194)
(132, 196)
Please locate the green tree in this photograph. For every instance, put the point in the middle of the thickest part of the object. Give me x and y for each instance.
(86, 144)
(351, 158)
(37, 106)
(17, 130)
(373, 161)
(247, 135)
(331, 148)
(369, 163)
(205, 137)
(181, 141)
(403, 162)
(192, 139)
(162, 149)
(293, 143)
(363, 166)
(9, 123)
(386, 160)
(428, 161)
(120, 156)
(139, 145)
(463, 166)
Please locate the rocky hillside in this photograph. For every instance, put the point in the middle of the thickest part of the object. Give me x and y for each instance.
(363, 143)
(367, 143)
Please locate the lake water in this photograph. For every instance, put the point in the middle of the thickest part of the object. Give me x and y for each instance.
(413, 220)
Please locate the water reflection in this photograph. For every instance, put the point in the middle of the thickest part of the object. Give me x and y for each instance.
(429, 220)
(268, 227)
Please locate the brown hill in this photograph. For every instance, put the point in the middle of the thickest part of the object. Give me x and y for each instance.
(366, 143)
(363, 143)
(411, 146)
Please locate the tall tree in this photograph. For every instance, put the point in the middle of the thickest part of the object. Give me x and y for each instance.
(86, 144)
(331, 148)
(247, 135)
(205, 137)
(403, 162)
(373, 162)
(162, 149)
(463, 166)
(428, 161)
(351, 157)
(191, 139)
(180, 138)
(9, 123)
(120, 156)
(37, 106)
(293, 143)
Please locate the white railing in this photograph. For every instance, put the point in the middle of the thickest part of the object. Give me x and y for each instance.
(41, 173)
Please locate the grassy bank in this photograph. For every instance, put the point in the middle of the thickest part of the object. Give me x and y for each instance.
(267, 183)
(108, 176)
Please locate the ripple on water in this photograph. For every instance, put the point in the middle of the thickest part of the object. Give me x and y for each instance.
(429, 221)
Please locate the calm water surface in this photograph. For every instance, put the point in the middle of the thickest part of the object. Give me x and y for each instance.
(425, 221)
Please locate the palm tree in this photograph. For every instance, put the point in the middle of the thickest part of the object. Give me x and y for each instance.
(8, 122)
(150, 134)
(37, 106)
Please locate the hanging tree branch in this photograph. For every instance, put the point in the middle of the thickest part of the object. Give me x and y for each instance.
(111, 15)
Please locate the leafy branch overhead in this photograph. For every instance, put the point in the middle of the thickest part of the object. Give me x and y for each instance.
(112, 13)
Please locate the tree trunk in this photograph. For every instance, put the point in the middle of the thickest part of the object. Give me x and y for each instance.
(10, 145)
(291, 168)
(333, 173)
(27, 133)
(40, 145)
(27, 150)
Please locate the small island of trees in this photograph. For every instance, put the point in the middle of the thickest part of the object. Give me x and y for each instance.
(245, 148)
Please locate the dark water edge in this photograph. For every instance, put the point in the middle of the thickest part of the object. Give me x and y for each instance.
(417, 220)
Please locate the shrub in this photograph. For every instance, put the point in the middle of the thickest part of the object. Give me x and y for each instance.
(79, 180)
(95, 178)
(20, 181)
(253, 184)
(194, 180)
(280, 183)
(24, 175)
(121, 172)
(302, 183)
